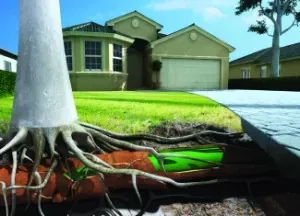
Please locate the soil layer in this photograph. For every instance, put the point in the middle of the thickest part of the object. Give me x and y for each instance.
(215, 200)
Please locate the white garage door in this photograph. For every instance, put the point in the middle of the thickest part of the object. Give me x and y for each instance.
(190, 74)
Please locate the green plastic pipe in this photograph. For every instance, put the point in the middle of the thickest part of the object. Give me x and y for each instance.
(177, 164)
(172, 164)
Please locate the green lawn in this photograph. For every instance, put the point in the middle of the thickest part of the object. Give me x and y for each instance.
(133, 112)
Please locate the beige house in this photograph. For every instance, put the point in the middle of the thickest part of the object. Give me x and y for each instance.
(121, 52)
(258, 64)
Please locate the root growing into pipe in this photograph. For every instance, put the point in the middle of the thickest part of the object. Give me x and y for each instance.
(81, 140)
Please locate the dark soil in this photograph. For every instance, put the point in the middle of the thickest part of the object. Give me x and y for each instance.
(177, 129)
(230, 206)
(227, 199)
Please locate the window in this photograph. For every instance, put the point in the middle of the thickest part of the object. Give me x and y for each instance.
(246, 73)
(263, 71)
(93, 58)
(7, 66)
(117, 58)
(68, 51)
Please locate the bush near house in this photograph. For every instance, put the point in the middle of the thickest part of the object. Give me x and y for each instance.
(272, 83)
(7, 82)
(156, 65)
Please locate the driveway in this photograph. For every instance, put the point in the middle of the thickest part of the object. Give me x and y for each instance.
(271, 118)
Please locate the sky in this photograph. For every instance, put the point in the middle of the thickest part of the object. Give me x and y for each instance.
(215, 16)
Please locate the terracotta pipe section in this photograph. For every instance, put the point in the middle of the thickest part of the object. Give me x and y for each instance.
(60, 188)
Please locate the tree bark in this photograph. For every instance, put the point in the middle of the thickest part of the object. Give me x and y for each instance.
(275, 54)
(276, 43)
(43, 93)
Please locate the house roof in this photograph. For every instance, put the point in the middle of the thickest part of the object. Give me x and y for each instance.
(190, 27)
(93, 27)
(265, 55)
(131, 14)
(161, 35)
(251, 57)
(8, 54)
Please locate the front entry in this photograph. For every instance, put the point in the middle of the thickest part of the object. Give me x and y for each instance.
(134, 69)
(137, 65)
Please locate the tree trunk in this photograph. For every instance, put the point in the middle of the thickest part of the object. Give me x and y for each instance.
(276, 41)
(43, 94)
(275, 54)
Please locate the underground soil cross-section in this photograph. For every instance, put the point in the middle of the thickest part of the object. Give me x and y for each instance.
(235, 157)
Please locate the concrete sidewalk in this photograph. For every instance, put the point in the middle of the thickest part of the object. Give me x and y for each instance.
(271, 118)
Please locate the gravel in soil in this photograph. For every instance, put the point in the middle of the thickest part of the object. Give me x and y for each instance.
(226, 207)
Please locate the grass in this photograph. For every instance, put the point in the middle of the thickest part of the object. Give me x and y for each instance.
(134, 112)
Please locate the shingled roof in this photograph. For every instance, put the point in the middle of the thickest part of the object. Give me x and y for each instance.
(93, 27)
(265, 55)
(8, 54)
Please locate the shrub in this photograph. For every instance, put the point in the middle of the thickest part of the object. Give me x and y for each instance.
(7, 83)
(272, 83)
(156, 65)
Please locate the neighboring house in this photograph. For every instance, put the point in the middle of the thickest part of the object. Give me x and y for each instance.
(191, 57)
(258, 64)
(8, 61)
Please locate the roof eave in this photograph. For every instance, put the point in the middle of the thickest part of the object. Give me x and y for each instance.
(187, 28)
(120, 18)
(231, 49)
(8, 54)
(239, 63)
(99, 34)
(246, 62)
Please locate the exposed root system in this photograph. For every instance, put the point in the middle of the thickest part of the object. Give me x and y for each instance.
(81, 140)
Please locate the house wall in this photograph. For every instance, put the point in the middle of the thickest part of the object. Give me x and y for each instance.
(235, 72)
(203, 48)
(224, 73)
(145, 30)
(82, 80)
(12, 61)
(78, 46)
(110, 43)
(288, 68)
(94, 81)
(183, 45)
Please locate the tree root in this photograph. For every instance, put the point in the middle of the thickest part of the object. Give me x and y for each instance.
(107, 196)
(3, 187)
(136, 190)
(38, 188)
(39, 182)
(158, 139)
(13, 182)
(80, 140)
(24, 156)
